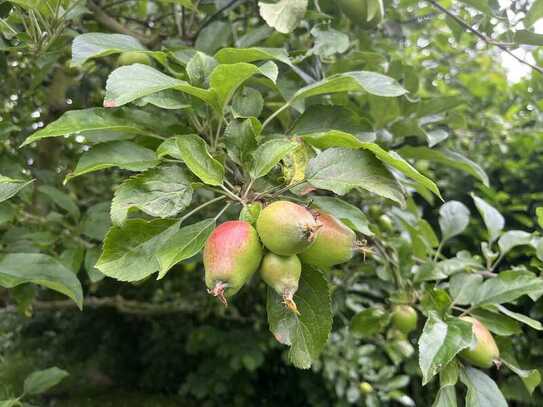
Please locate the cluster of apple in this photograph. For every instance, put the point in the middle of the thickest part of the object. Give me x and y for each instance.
(286, 235)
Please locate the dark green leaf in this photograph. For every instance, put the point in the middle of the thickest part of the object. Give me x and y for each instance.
(41, 381)
(240, 139)
(344, 211)
(268, 155)
(36, 268)
(10, 187)
(534, 14)
(528, 38)
(369, 322)
(531, 378)
(62, 199)
(193, 150)
(184, 244)
(359, 81)
(160, 192)
(453, 219)
(341, 170)
(532, 323)
(440, 342)
(446, 396)
(447, 157)
(131, 82)
(508, 286)
(308, 333)
(513, 238)
(90, 120)
(482, 390)
(284, 15)
(493, 219)
(95, 45)
(129, 251)
(122, 154)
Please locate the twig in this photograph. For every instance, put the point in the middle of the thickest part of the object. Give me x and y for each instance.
(115, 26)
(214, 16)
(483, 37)
(119, 303)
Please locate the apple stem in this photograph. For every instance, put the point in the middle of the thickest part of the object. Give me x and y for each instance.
(288, 301)
(218, 291)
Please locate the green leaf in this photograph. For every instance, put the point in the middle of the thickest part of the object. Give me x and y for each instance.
(36, 268)
(131, 82)
(482, 390)
(166, 99)
(369, 322)
(95, 45)
(169, 147)
(240, 140)
(41, 381)
(214, 36)
(160, 192)
(341, 170)
(200, 67)
(308, 333)
(453, 219)
(531, 378)
(226, 78)
(532, 323)
(495, 322)
(96, 221)
(344, 211)
(9, 187)
(528, 38)
(193, 150)
(346, 127)
(98, 119)
(481, 5)
(62, 199)
(447, 157)
(122, 154)
(539, 214)
(129, 251)
(493, 219)
(268, 155)
(534, 14)
(463, 287)
(446, 396)
(440, 342)
(235, 55)
(10, 403)
(358, 81)
(328, 41)
(184, 244)
(436, 300)
(91, 257)
(285, 15)
(513, 238)
(508, 286)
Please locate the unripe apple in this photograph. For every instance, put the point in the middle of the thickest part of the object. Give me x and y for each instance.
(286, 228)
(282, 273)
(357, 12)
(335, 243)
(365, 388)
(232, 254)
(404, 318)
(133, 57)
(485, 351)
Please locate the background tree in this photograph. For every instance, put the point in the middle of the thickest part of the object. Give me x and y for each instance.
(396, 118)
